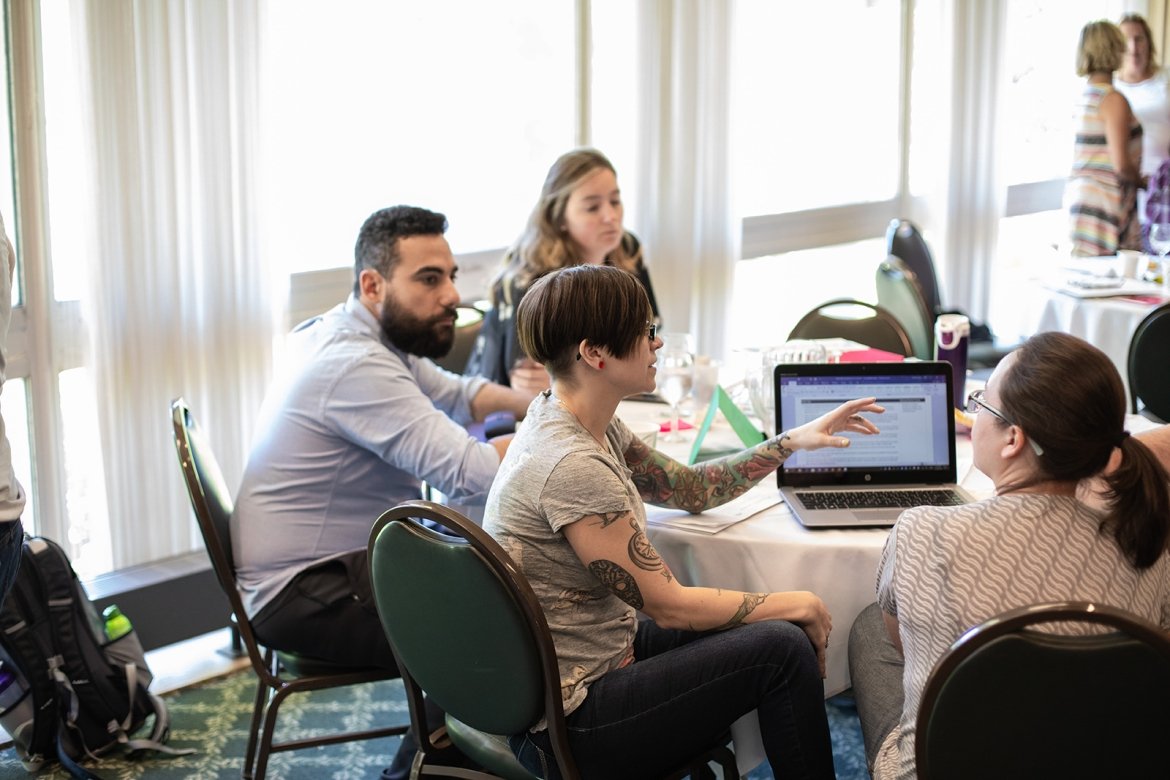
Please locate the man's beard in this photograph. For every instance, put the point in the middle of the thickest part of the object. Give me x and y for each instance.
(424, 338)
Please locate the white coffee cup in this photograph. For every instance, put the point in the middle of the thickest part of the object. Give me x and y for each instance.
(1129, 260)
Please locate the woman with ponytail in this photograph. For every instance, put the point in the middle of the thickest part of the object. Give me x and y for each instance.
(1051, 419)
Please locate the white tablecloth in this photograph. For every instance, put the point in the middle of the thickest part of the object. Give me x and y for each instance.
(1106, 323)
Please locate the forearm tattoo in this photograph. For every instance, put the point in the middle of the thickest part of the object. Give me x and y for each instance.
(664, 481)
(643, 555)
(750, 602)
(619, 581)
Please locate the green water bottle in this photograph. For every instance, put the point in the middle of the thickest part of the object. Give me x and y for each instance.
(117, 624)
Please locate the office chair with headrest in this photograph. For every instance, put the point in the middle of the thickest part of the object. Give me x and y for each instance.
(467, 629)
(1010, 702)
(280, 674)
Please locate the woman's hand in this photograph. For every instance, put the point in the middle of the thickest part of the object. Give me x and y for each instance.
(846, 417)
(812, 615)
(528, 377)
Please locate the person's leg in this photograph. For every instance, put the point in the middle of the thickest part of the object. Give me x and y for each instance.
(328, 612)
(11, 542)
(875, 667)
(650, 716)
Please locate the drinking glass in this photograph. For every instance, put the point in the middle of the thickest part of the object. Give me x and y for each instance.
(676, 365)
(1160, 243)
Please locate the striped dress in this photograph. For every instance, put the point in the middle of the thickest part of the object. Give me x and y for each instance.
(1103, 212)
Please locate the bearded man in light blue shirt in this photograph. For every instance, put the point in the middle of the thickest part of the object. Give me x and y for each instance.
(359, 418)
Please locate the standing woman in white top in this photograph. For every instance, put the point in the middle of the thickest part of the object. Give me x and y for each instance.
(1147, 88)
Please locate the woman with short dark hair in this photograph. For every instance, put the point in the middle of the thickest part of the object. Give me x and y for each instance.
(641, 696)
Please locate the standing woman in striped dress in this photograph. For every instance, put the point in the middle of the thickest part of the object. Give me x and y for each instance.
(1101, 194)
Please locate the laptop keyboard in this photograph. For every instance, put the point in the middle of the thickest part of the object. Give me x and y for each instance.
(878, 499)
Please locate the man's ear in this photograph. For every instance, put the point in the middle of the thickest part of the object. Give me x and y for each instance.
(370, 284)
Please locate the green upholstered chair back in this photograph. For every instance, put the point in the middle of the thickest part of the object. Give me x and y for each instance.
(1006, 702)
(898, 293)
(461, 620)
(1148, 368)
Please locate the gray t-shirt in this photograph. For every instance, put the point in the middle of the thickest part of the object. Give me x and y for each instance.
(554, 474)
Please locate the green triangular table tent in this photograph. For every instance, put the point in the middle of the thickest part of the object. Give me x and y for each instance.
(748, 433)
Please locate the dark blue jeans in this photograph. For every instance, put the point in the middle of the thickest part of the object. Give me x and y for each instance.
(684, 691)
(11, 537)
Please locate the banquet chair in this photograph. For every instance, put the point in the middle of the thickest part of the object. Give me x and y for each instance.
(855, 320)
(280, 674)
(466, 628)
(468, 321)
(1010, 702)
(905, 241)
(1148, 370)
(898, 292)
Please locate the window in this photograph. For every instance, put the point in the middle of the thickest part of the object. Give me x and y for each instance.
(457, 106)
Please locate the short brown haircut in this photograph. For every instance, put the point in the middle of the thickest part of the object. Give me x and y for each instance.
(1101, 49)
(1140, 21)
(603, 305)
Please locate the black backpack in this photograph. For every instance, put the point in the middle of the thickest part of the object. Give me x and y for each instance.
(85, 695)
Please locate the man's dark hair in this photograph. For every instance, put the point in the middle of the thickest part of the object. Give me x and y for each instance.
(377, 241)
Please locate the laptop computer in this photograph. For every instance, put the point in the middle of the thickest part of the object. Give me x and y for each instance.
(910, 463)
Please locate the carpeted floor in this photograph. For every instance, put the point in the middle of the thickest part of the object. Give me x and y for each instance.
(213, 718)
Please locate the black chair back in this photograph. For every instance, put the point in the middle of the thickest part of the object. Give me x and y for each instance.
(1149, 370)
(1006, 702)
(855, 320)
(904, 240)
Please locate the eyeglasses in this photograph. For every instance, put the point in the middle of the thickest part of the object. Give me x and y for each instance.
(651, 330)
(975, 400)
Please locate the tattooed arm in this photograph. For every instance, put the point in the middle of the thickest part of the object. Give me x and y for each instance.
(663, 480)
(617, 551)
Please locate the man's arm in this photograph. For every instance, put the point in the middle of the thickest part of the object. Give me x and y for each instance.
(497, 398)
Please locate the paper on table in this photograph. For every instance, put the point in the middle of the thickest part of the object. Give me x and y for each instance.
(715, 520)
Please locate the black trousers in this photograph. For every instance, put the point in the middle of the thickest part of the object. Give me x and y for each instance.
(328, 612)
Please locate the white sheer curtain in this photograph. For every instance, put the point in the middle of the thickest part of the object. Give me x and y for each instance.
(964, 206)
(177, 302)
(685, 214)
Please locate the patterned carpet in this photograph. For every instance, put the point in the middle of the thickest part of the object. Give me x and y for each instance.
(213, 719)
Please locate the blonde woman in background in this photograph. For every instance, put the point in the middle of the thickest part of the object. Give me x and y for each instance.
(576, 221)
(1101, 194)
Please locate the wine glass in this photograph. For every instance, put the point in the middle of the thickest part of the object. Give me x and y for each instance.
(676, 366)
(1160, 243)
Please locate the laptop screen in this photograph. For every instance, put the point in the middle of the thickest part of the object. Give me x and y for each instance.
(916, 443)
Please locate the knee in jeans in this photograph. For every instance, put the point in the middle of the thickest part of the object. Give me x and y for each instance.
(785, 641)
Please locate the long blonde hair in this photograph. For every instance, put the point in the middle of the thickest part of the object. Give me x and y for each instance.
(543, 247)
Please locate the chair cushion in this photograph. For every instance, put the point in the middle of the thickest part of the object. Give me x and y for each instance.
(307, 666)
(490, 751)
